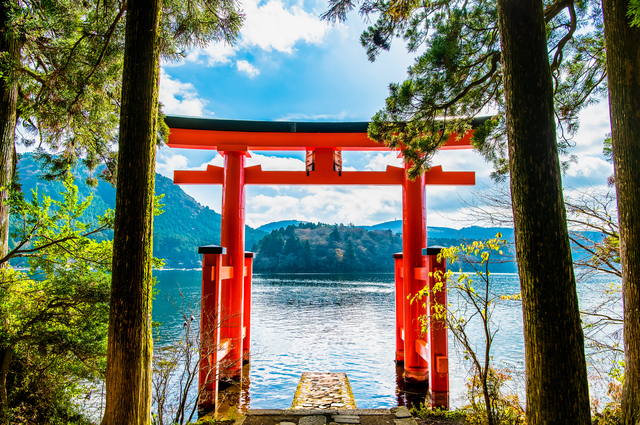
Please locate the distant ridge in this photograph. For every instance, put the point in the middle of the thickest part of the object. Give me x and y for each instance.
(177, 233)
(395, 226)
(472, 232)
(283, 224)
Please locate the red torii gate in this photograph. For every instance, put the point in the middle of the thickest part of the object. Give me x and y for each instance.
(226, 278)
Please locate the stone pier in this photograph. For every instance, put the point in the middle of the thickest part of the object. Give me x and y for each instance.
(323, 391)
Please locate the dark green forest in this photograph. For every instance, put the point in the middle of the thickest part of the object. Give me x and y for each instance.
(310, 247)
(322, 248)
(183, 225)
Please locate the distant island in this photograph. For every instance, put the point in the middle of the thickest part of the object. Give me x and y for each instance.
(309, 247)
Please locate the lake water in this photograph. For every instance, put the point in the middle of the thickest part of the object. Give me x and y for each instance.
(338, 323)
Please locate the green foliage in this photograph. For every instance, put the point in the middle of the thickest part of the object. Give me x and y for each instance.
(55, 315)
(194, 23)
(424, 411)
(70, 71)
(634, 12)
(474, 413)
(506, 404)
(178, 231)
(459, 75)
(69, 80)
(476, 302)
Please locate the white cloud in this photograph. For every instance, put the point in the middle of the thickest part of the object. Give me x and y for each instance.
(166, 164)
(590, 166)
(380, 160)
(594, 125)
(271, 26)
(276, 163)
(294, 116)
(344, 204)
(247, 68)
(273, 163)
(217, 53)
(180, 98)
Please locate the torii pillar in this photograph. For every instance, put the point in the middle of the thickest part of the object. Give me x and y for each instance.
(232, 238)
(414, 239)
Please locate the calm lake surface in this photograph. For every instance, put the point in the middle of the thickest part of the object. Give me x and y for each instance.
(338, 323)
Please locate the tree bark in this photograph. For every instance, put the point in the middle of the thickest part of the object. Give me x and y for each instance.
(5, 362)
(556, 376)
(623, 70)
(129, 352)
(10, 45)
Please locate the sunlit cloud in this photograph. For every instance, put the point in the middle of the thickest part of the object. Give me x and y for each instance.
(313, 117)
(357, 205)
(166, 163)
(273, 26)
(378, 161)
(180, 98)
(270, 26)
(247, 68)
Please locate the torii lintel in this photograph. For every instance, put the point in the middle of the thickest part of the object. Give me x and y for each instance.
(233, 135)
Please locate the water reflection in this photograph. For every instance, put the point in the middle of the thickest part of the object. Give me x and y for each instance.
(336, 323)
(407, 394)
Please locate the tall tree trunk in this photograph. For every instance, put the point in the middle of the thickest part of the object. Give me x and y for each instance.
(556, 376)
(129, 352)
(5, 363)
(10, 44)
(623, 69)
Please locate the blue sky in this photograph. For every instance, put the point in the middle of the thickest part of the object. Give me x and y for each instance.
(289, 65)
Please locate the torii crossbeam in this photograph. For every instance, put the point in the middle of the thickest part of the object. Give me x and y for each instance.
(425, 359)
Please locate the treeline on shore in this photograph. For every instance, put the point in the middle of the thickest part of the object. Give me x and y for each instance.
(321, 248)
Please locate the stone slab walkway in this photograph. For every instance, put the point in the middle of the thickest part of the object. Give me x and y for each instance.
(395, 416)
(323, 391)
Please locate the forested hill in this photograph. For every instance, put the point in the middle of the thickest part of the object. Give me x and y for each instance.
(185, 225)
(310, 247)
(177, 233)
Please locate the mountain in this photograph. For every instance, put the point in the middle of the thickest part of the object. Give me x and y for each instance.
(177, 232)
(275, 225)
(466, 233)
(185, 225)
(394, 226)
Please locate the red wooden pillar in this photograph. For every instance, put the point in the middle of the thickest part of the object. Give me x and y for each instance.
(399, 309)
(209, 325)
(438, 341)
(246, 344)
(414, 238)
(232, 238)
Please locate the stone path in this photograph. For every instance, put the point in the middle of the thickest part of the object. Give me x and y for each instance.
(323, 391)
(395, 416)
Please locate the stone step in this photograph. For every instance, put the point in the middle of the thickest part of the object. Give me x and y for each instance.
(323, 391)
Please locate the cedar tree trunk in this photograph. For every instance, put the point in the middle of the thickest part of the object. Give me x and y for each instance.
(623, 69)
(129, 352)
(556, 375)
(10, 44)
